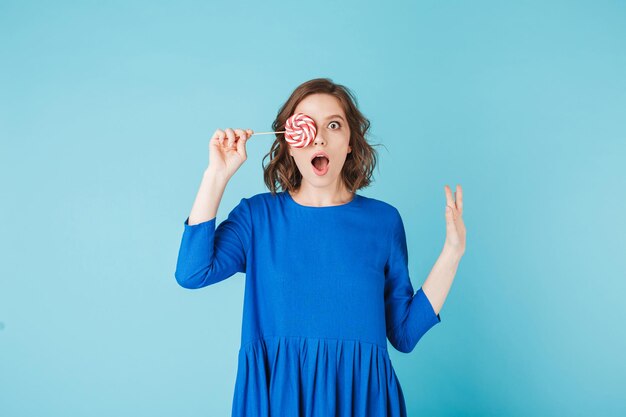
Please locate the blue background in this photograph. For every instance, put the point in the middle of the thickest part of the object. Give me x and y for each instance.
(106, 109)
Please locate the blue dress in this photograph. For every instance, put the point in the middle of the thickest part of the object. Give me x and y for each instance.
(325, 287)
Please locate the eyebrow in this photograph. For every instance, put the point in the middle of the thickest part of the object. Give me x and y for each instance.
(334, 115)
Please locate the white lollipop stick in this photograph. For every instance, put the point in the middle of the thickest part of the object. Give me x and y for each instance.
(267, 133)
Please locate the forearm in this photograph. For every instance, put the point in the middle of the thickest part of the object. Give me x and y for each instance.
(439, 281)
(208, 198)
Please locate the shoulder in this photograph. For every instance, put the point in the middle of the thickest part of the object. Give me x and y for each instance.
(381, 209)
(261, 198)
(260, 202)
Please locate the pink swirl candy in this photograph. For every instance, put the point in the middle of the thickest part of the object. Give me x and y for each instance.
(300, 130)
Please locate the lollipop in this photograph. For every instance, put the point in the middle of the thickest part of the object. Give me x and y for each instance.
(299, 131)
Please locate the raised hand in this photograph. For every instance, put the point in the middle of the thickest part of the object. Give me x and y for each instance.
(227, 150)
(455, 228)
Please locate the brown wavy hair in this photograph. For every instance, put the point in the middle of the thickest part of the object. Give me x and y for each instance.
(282, 171)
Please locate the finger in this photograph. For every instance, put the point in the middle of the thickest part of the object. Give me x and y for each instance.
(449, 200)
(459, 199)
(230, 133)
(222, 137)
(217, 136)
(241, 144)
(449, 219)
(240, 135)
(453, 211)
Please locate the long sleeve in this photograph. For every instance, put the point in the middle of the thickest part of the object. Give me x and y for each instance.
(208, 255)
(408, 315)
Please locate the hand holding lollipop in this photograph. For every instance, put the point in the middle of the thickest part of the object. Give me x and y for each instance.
(227, 151)
(226, 158)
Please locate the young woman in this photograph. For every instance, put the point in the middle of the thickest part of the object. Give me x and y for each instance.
(327, 280)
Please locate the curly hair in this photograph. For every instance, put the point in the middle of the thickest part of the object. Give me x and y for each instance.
(282, 171)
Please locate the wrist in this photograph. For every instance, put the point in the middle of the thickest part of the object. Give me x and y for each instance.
(215, 176)
(451, 253)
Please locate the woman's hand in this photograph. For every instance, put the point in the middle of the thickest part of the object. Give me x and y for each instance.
(227, 151)
(455, 228)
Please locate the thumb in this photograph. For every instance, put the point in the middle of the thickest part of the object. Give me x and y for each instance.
(241, 146)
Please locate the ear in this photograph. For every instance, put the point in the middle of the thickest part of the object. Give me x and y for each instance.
(349, 149)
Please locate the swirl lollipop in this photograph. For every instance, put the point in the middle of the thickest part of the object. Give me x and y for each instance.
(299, 131)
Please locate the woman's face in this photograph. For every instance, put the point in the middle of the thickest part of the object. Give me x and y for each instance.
(332, 137)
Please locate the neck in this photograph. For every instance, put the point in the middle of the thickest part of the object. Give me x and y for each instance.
(332, 195)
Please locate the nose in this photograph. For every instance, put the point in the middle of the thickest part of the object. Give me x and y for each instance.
(319, 140)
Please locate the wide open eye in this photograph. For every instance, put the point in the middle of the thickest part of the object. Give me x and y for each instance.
(335, 122)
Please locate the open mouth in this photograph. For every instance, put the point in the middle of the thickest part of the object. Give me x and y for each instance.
(320, 165)
(320, 162)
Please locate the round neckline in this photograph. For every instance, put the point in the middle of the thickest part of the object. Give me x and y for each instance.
(294, 202)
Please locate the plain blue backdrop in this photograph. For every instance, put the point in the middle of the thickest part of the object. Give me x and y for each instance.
(106, 109)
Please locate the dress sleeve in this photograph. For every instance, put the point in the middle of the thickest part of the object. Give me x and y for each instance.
(208, 255)
(408, 315)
